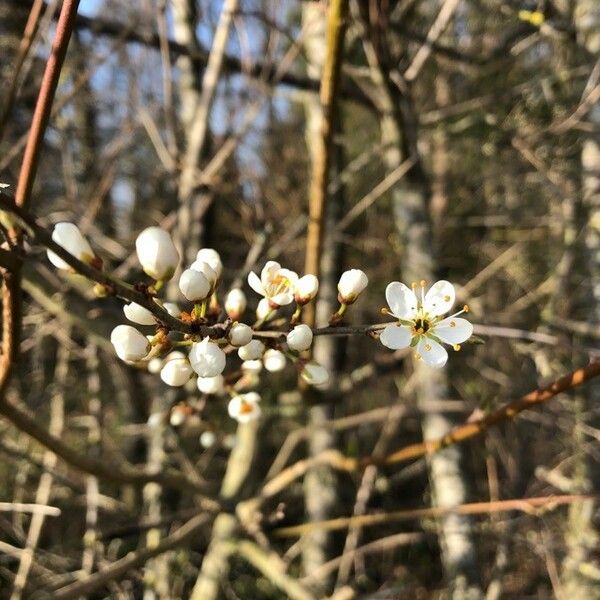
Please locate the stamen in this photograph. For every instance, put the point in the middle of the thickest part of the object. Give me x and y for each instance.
(456, 347)
(417, 356)
(428, 347)
(423, 284)
(413, 285)
(460, 312)
(385, 311)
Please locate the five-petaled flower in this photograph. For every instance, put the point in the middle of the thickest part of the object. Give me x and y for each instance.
(420, 321)
(275, 284)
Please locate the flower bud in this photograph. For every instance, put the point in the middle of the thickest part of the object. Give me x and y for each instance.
(211, 385)
(194, 285)
(207, 439)
(157, 253)
(155, 365)
(306, 289)
(71, 239)
(138, 314)
(176, 370)
(207, 271)
(315, 374)
(263, 310)
(351, 284)
(252, 350)
(207, 359)
(177, 416)
(172, 309)
(300, 338)
(235, 304)
(244, 408)
(240, 334)
(253, 367)
(210, 256)
(130, 345)
(274, 360)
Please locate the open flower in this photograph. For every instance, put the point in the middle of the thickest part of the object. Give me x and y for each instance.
(72, 240)
(275, 284)
(245, 407)
(420, 321)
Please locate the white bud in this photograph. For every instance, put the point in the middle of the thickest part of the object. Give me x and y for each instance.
(211, 385)
(210, 256)
(157, 253)
(206, 270)
(252, 366)
(138, 314)
(207, 359)
(252, 350)
(240, 334)
(315, 374)
(235, 304)
(155, 420)
(300, 338)
(130, 345)
(207, 439)
(172, 309)
(263, 309)
(177, 417)
(351, 284)
(274, 360)
(155, 365)
(176, 370)
(306, 289)
(71, 239)
(245, 407)
(194, 285)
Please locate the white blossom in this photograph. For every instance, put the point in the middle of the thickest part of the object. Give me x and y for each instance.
(300, 338)
(207, 271)
(245, 407)
(235, 304)
(211, 385)
(240, 334)
(274, 360)
(194, 285)
(275, 284)
(252, 366)
(136, 313)
(72, 240)
(155, 365)
(252, 350)
(207, 359)
(263, 310)
(212, 258)
(157, 253)
(351, 284)
(306, 289)
(176, 370)
(130, 345)
(421, 324)
(315, 374)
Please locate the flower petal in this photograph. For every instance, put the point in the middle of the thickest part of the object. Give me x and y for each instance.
(282, 299)
(255, 283)
(431, 352)
(440, 298)
(395, 337)
(401, 300)
(269, 271)
(453, 330)
(291, 276)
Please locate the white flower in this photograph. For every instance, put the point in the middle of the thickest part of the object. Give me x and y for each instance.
(252, 366)
(275, 284)
(252, 350)
(245, 407)
(315, 374)
(194, 285)
(235, 304)
(154, 365)
(138, 314)
(211, 385)
(351, 284)
(420, 321)
(207, 271)
(207, 439)
(172, 309)
(157, 253)
(207, 359)
(212, 258)
(71, 239)
(274, 360)
(176, 370)
(240, 334)
(300, 338)
(263, 310)
(306, 289)
(130, 345)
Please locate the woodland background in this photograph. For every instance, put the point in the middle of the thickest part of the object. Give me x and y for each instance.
(465, 144)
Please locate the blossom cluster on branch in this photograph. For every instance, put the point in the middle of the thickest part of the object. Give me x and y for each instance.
(419, 320)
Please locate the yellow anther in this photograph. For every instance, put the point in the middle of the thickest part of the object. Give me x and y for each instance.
(446, 298)
(385, 311)
(413, 285)
(417, 356)
(452, 323)
(456, 347)
(420, 330)
(428, 347)
(423, 283)
(466, 308)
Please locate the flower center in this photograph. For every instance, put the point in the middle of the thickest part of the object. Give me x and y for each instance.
(278, 285)
(246, 407)
(422, 325)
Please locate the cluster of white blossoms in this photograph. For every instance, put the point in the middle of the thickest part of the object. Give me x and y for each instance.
(191, 360)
